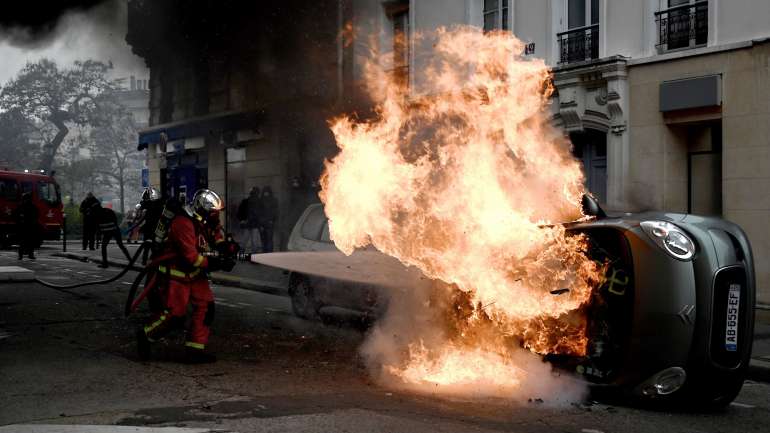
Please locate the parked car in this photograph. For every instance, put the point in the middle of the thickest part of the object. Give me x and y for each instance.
(311, 293)
(674, 320)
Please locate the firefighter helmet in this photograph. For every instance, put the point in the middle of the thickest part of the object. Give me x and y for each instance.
(206, 203)
(150, 194)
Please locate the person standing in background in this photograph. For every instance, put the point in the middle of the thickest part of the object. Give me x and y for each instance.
(249, 212)
(108, 226)
(87, 207)
(268, 215)
(26, 216)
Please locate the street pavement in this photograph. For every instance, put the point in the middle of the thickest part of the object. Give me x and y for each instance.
(68, 359)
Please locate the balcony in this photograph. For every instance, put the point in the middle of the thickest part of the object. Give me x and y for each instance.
(579, 44)
(684, 26)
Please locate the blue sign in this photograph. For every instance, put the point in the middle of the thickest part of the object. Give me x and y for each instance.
(145, 177)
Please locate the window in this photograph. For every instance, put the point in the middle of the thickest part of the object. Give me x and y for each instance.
(314, 224)
(26, 187)
(325, 234)
(48, 192)
(9, 189)
(580, 41)
(401, 32)
(578, 10)
(683, 24)
(496, 15)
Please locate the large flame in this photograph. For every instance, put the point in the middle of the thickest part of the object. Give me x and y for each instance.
(468, 183)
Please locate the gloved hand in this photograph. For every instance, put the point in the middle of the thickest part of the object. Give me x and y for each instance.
(215, 263)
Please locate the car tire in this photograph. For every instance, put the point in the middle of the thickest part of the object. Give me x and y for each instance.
(712, 397)
(303, 300)
(712, 401)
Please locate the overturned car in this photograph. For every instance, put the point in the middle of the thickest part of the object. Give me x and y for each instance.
(673, 320)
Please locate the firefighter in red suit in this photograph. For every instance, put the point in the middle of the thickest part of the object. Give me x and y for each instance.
(192, 236)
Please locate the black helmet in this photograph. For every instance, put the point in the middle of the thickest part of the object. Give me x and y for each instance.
(206, 203)
(150, 194)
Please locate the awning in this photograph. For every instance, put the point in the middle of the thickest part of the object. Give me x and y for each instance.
(200, 127)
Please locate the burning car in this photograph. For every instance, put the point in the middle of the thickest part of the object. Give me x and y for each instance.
(672, 319)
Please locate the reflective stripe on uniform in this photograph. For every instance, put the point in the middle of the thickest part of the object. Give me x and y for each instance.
(198, 261)
(155, 324)
(178, 274)
(195, 345)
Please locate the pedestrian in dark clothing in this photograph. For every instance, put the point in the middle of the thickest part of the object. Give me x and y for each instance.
(267, 217)
(108, 226)
(249, 213)
(87, 208)
(26, 217)
(152, 205)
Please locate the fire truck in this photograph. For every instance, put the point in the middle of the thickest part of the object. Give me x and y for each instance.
(46, 196)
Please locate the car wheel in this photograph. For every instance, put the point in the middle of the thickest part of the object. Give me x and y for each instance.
(713, 396)
(303, 300)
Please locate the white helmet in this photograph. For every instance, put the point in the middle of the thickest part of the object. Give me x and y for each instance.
(206, 203)
(150, 194)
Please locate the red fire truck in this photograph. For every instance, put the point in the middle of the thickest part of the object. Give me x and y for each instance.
(45, 195)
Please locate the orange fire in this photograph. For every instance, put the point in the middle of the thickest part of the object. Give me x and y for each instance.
(465, 178)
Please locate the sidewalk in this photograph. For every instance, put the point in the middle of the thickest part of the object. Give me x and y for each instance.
(274, 281)
(760, 354)
(245, 275)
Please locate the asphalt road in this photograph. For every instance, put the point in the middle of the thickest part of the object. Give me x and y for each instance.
(69, 358)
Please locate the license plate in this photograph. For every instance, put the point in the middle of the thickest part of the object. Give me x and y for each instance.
(733, 308)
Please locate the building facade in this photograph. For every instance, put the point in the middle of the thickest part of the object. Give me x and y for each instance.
(240, 95)
(667, 102)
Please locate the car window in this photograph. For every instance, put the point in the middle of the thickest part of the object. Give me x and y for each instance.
(48, 192)
(26, 187)
(9, 189)
(325, 233)
(311, 228)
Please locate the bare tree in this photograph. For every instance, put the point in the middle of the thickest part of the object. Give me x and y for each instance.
(49, 96)
(15, 143)
(114, 142)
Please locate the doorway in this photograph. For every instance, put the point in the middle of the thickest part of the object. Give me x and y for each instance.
(704, 169)
(590, 147)
(235, 172)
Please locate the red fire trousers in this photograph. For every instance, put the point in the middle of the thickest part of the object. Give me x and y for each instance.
(176, 298)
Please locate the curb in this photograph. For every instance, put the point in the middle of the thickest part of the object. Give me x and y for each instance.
(261, 286)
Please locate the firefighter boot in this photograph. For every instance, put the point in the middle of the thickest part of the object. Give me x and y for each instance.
(142, 344)
(198, 356)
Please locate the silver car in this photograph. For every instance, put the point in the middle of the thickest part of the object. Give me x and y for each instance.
(673, 322)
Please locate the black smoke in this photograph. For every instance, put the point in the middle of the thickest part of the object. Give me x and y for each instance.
(30, 23)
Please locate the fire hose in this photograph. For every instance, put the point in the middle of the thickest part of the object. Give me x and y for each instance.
(97, 282)
(229, 253)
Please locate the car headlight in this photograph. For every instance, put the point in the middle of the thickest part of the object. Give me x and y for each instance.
(671, 238)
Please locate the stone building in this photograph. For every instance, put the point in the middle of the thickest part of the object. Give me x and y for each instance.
(135, 96)
(667, 102)
(240, 93)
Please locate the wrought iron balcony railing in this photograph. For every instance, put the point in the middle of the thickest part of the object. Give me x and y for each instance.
(683, 26)
(578, 45)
